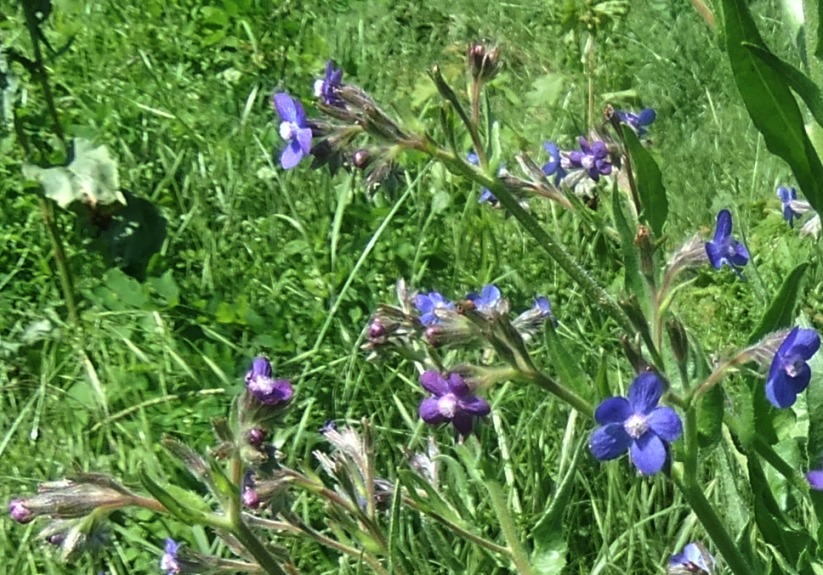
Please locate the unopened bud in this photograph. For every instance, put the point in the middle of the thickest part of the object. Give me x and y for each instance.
(643, 241)
(361, 158)
(483, 61)
(678, 339)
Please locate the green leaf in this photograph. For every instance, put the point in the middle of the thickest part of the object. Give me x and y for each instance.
(569, 371)
(794, 78)
(770, 103)
(91, 178)
(179, 502)
(635, 284)
(650, 187)
(780, 312)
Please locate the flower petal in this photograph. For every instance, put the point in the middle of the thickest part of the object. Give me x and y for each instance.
(780, 389)
(645, 392)
(609, 441)
(429, 411)
(304, 139)
(724, 226)
(804, 342)
(648, 454)
(665, 422)
(291, 155)
(284, 104)
(715, 257)
(613, 410)
(475, 406)
(433, 382)
(463, 423)
(646, 117)
(815, 479)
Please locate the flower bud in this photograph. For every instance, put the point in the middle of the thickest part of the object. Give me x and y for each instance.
(483, 61)
(678, 339)
(361, 158)
(19, 512)
(68, 499)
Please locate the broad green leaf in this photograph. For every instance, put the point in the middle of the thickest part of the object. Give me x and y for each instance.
(635, 284)
(710, 417)
(569, 371)
(91, 178)
(803, 86)
(770, 103)
(649, 184)
(780, 312)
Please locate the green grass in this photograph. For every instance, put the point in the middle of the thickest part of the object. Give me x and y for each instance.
(292, 264)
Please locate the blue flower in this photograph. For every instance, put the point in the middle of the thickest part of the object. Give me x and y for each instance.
(592, 157)
(636, 425)
(815, 479)
(724, 249)
(168, 562)
(452, 400)
(693, 559)
(263, 387)
(553, 167)
(542, 305)
(328, 88)
(486, 195)
(294, 129)
(787, 196)
(637, 122)
(789, 373)
(487, 301)
(429, 304)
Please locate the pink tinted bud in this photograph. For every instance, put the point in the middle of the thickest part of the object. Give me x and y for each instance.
(19, 512)
(256, 436)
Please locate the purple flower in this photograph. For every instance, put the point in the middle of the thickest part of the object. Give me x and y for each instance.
(542, 305)
(263, 387)
(787, 196)
(19, 512)
(789, 373)
(428, 305)
(638, 425)
(488, 301)
(328, 88)
(592, 157)
(553, 167)
(294, 129)
(637, 122)
(693, 559)
(249, 496)
(815, 479)
(725, 249)
(452, 400)
(168, 562)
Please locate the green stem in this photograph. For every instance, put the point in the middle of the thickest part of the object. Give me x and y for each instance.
(710, 521)
(562, 392)
(517, 552)
(253, 545)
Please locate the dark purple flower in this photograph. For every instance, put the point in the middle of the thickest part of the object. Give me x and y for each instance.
(328, 88)
(168, 562)
(263, 387)
(428, 305)
(789, 373)
(787, 196)
(294, 129)
(19, 512)
(723, 249)
(592, 157)
(256, 436)
(489, 299)
(638, 425)
(637, 122)
(452, 400)
(693, 559)
(553, 167)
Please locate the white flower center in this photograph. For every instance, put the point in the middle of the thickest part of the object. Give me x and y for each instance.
(447, 405)
(636, 425)
(288, 131)
(318, 88)
(587, 161)
(793, 365)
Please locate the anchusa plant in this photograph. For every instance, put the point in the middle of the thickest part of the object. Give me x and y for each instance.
(683, 402)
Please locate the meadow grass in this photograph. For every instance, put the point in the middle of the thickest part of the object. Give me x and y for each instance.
(292, 264)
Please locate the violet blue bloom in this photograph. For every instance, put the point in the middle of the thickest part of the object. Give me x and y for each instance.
(294, 129)
(693, 559)
(787, 196)
(452, 400)
(592, 157)
(168, 562)
(553, 167)
(541, 304)
(789, 373)
(263, 387)
(637, 122)
(428, 304)
(328, 88)
(815, 479)
(723, 249)
(19, 512)
(487, 301)
(638, 425)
